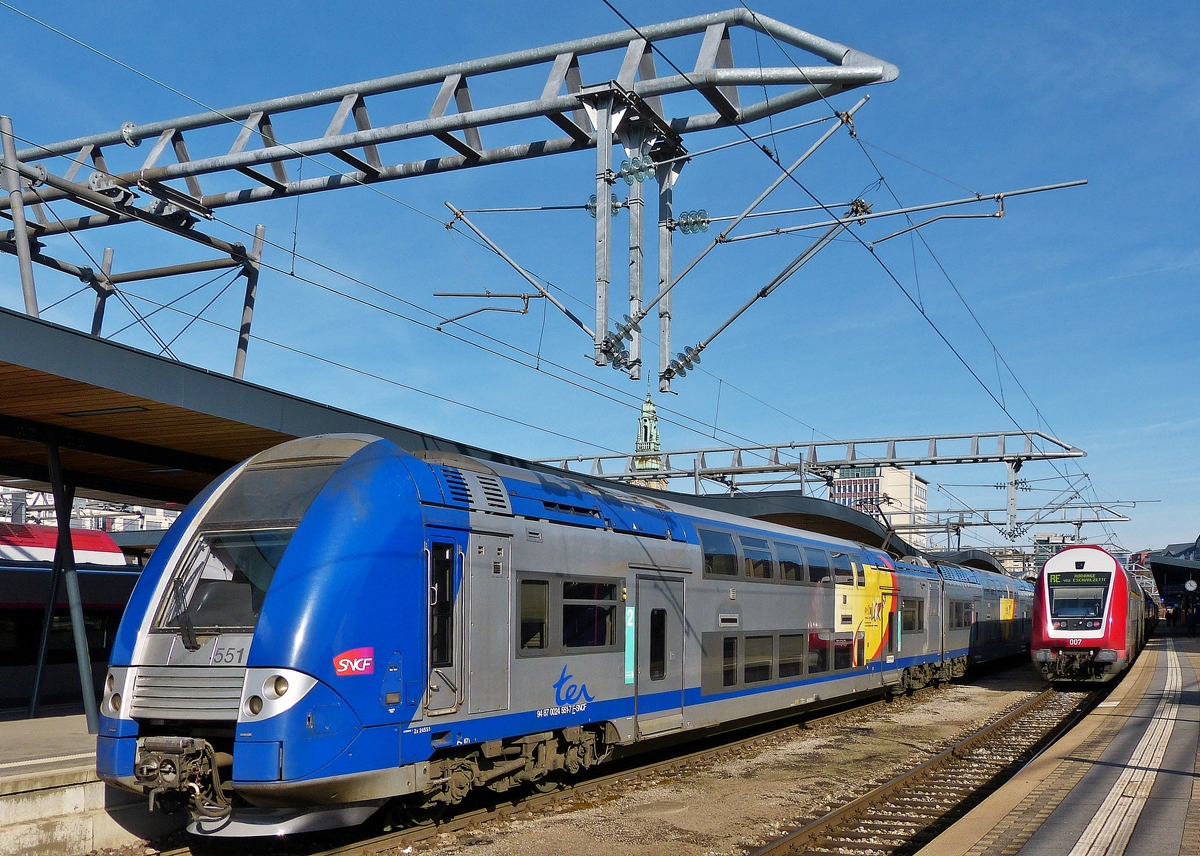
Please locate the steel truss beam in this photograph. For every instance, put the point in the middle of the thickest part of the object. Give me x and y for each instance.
(240, 151)
(454, 120)
(1073, 513)
(823, 459)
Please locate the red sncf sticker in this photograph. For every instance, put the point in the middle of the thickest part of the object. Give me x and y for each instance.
(356, 661)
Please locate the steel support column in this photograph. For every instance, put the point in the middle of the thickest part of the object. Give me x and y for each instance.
(634, 146)
(604, 143)
(252, 268)
(47, 618)
(12, 183)
(666, 175)
(64, 553)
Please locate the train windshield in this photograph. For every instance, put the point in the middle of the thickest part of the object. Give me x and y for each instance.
(220, 585)
(1077, 594)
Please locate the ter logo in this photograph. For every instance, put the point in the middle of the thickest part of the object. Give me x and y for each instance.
(356, 661)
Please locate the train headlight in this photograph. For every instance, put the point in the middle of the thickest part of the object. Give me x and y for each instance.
(114, 701)
(1106, 655)
(254, 705)
(1043, 655)
(109, 682)
(276, 687)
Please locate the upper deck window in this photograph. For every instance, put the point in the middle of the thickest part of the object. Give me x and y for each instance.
(759, 563)
(720, 555)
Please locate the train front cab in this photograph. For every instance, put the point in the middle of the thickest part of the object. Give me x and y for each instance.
(258, 647)
(1087, 617)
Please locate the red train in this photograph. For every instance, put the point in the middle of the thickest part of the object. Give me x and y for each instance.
(1090, 616)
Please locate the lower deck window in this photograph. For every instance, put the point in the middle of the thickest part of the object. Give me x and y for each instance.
(535, 614)
(912, 615)
(818, 654)
(729, 648)
(556, 615)
(791, 656)
(758, 659)
(588, 612)
(843, 653)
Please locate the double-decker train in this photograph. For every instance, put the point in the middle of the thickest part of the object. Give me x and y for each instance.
(26, 563)
(336, 624)
(1090, 616)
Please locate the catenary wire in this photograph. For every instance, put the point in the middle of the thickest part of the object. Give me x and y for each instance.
(374, 376)
(883, 265)
(196, 101)
(1040, 416)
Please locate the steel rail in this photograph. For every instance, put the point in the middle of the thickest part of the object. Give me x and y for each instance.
(800, 840)
(502, 808)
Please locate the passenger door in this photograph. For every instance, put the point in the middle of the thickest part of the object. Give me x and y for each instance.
(489, 631)
(444, 691)
(659, 655)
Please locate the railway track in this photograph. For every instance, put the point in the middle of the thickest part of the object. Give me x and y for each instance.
(577, 794)
(904, 814)
(898, 817)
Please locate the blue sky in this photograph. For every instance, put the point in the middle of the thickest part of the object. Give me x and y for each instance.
(1088, 293)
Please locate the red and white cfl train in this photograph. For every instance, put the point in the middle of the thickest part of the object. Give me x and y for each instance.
(1090, 616)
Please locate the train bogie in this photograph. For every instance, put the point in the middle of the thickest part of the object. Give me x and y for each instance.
(337, 624)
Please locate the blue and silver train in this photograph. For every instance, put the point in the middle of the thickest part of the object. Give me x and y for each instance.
(337, 624)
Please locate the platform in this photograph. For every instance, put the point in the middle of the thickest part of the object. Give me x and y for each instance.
(52, 804)
(1125, 780)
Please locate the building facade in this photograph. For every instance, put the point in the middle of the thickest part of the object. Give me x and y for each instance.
(896, 495)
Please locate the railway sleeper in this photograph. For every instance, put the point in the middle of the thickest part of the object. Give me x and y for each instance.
(499, 765)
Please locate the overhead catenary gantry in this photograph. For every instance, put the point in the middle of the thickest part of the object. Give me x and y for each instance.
(753, 467)
(236, 156)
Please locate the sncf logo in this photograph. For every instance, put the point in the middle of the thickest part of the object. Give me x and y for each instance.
(356, 661)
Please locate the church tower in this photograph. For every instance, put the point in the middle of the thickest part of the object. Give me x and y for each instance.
(646, 460)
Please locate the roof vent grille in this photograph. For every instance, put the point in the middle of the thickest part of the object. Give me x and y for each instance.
(493, 492)
(460, 492)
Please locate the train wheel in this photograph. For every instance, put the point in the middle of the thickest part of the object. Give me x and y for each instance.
(425, 814)
(549, 783)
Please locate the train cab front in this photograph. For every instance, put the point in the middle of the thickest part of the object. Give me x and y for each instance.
(217, 691)
(1077, 634)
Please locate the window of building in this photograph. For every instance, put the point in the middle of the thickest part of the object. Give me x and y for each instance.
(791, 562)
(791, 655)
(759, 564)
(758, 657)
(912, 615)
(720, 555)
